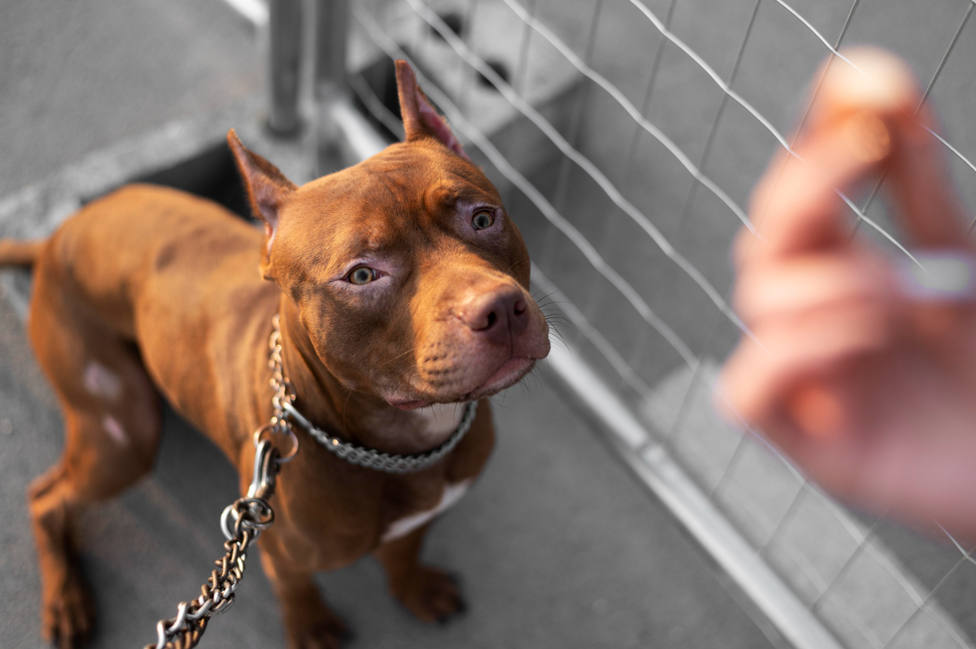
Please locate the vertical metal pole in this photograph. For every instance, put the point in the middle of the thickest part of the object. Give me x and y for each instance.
(332, 33)
(342, 135)
(284, 66)
(331, 86)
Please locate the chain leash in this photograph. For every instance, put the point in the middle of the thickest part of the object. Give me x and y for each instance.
(241, 522)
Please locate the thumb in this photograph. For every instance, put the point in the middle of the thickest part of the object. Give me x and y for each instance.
(880, 85)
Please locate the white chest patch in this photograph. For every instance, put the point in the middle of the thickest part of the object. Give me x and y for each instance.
(440, 419)
(102, 382)
(452, 494)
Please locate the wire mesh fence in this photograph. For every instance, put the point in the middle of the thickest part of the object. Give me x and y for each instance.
(627, 137)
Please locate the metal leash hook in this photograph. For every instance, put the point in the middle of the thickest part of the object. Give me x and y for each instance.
(253, 511)
(241, 522)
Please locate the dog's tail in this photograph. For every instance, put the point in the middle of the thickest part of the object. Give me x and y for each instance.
(15, 252)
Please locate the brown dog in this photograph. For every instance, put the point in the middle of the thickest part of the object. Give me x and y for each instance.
(401, 285)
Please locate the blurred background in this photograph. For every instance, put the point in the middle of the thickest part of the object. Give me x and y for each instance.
(625, 135)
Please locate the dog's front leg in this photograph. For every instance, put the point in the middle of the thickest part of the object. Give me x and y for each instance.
(308, 622)
(430, 594)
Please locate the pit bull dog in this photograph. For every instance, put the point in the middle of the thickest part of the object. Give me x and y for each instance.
(401, 288)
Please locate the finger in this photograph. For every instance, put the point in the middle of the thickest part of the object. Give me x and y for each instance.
(758, 378)
(863, 119)
(792, 287)
(796, 206)
(883, 86)
(927, 204)
(837, 463)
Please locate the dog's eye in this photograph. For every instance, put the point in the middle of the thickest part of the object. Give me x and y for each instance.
(482, 219)
(361, 275)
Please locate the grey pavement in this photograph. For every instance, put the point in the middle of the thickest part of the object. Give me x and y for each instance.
(76, 77)
(555, 546)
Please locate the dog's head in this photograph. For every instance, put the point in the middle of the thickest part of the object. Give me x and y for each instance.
(407, 273)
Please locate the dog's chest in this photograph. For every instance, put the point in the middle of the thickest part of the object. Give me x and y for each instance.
(406, 524)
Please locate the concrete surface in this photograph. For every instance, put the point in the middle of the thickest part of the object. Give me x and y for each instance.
(76, 77)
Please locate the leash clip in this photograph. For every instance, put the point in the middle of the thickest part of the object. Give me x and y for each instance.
(279, 427)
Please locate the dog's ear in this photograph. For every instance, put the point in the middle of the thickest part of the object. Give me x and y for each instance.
(420, 118)
(267, 188)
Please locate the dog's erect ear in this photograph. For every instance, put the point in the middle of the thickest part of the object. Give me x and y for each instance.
(420, 118)
(267, 188)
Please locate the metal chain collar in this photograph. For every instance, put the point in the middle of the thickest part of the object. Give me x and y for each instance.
(353, 453)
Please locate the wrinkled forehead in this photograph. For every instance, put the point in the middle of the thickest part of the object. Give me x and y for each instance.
(413, 184)
(382, 203)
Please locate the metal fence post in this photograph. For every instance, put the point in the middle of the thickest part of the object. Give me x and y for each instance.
(342, 135)
(284, 66)
(332, 34)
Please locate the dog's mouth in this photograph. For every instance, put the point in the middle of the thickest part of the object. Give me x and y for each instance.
(510, 372)
(507, 374)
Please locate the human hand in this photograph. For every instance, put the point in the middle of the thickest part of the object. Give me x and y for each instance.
(863, 374)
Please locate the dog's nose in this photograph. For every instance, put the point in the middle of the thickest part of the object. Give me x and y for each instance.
(498, 314)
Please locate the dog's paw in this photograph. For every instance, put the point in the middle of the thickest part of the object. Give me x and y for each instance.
(67, 614)
(325, 631)
(432, 595)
